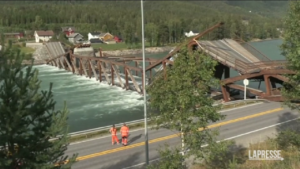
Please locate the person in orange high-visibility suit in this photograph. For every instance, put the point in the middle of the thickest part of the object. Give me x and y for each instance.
(124, 133)
(114, 137)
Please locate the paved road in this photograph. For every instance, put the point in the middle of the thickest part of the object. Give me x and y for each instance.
(248, 124)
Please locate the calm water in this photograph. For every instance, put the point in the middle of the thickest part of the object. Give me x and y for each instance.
(93, 104)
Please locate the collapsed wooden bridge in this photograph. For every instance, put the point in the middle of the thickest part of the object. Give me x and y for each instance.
(126, 72)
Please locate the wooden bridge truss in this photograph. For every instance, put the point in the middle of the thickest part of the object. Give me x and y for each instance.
(107, 67)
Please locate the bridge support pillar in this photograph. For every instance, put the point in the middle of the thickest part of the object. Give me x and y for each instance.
(126, 78)
(268, 85)
(226, 96)
(112, 75)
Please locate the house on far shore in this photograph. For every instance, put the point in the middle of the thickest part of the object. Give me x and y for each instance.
(43, 36)
(75, 38)
(106, 37)
(191, 33)
(13, 35)
(93, 35)
(68, 30)
(118, 39)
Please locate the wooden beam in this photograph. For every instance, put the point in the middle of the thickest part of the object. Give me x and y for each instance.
(118, 76)
(90, 69)
(268, 85)
(80, 67)
(69, 65)
(100, 70)
(105, 73)
(93, 69)
(126, 78)
(61, 62)
(112, 74)
(134, 82)
(73, 60)
(280, 77)
(241, 88)
(136, 65)
(84, 68)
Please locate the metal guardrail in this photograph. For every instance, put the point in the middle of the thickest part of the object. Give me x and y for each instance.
(106, 128)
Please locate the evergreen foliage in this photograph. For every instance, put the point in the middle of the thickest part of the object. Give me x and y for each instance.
(28, 119)
(291, 90)
(291, 50)
(165, 22)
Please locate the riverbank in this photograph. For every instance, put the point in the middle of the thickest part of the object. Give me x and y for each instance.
(262, 40)
(150, 50)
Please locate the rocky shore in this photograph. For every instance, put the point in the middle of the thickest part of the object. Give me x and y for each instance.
(139, 51)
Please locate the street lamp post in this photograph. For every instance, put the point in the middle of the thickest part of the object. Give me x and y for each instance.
(144, 86)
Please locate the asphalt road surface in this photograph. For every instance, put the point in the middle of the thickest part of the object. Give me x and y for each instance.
(248, 124)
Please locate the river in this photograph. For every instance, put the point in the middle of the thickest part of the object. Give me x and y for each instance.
(93, 104)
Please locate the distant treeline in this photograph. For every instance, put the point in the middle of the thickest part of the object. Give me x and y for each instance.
(165, 22)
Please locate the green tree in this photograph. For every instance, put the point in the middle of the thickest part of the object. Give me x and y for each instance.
(291, 50)
(182, 99)
(291, 89)
(170, 159)
(38, 23)
(28, 119)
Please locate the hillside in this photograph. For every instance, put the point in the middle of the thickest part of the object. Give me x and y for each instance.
(273, 9)
(165, 21)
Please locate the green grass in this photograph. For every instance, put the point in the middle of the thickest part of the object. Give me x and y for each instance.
(27, 50)
(121, 46)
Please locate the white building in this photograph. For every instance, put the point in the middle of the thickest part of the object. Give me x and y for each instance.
(43, 36)
(190, 34)
(93, 35)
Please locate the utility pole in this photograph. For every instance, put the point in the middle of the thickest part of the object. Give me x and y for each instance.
(144, 87)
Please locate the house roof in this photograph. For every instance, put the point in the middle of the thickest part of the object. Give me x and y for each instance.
(103, 34)
(95, 33)
(66, 28)
(73, 35)
(12, 34)
(45, 33)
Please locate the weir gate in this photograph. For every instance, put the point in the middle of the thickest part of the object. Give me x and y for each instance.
(126, 71)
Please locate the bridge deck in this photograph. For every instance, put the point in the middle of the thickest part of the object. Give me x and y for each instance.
(236, 56)
(55, 48)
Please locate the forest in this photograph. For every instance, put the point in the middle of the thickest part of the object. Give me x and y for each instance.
(165, 21)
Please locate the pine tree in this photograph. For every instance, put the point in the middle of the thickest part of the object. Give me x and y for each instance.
(28, 118)
(182, 100)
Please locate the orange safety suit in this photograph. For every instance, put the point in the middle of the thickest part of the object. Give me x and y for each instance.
(114, 135)
(124, 133)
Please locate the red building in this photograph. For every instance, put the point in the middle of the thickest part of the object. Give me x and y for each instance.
(68, 30)
(117, 39)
